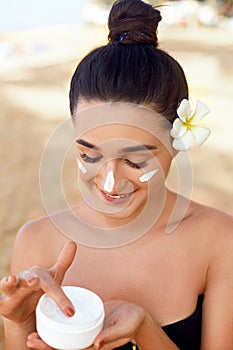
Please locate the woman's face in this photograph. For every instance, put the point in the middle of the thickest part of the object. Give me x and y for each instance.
(123, 155)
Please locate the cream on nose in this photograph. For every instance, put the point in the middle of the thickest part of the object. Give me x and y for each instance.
(109, 182)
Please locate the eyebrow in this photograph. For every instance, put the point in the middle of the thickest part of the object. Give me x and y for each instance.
(125, 149)
(138, 148)
(86, 144)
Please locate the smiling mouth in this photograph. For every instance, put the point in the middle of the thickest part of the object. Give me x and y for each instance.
(116, 197)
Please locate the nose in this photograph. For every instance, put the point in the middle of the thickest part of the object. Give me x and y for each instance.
(111, 178)
(107, 176)
(109, 182)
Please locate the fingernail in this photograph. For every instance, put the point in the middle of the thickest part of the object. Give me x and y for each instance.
(69, 311)
(9, 279)
(101, 343)
(30, 336)
(31, 278)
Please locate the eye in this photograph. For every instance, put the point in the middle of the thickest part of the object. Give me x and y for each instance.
(88, 159)
(135, 165)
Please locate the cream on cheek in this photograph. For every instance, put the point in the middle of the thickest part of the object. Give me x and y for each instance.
(81, 167)
(148, 176)
(109, 182)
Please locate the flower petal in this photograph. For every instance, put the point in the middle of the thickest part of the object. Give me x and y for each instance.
(200, 111)
(178, 128)
(184, 110)
(200, 134)
(183, 143)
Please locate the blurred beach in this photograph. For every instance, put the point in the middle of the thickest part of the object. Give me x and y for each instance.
(35, 70)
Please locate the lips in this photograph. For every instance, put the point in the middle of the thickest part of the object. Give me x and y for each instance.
(117, 198)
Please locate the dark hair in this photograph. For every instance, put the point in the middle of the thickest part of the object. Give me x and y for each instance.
(130, 68)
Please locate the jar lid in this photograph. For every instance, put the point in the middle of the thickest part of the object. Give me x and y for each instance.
(89, 310)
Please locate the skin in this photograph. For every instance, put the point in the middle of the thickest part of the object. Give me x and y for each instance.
(109, 182)
(135, 281)
(146, 177)
(82, 167)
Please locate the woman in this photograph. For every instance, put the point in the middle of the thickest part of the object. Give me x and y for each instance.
(161, 291)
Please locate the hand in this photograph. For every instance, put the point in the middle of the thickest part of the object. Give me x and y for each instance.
(122, 323)
(21, 294)
(36, 343)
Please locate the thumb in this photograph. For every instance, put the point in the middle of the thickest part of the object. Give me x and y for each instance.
(111, 337)
(64, 261)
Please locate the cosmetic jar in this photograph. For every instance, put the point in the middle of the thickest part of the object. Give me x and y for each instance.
(70, 333)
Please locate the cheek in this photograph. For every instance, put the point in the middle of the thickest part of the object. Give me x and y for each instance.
(148, 176)
(163, 163)
(152, 178)
(87, 172)
(81, 167)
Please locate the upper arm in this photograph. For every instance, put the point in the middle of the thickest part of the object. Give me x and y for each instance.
(218, 302)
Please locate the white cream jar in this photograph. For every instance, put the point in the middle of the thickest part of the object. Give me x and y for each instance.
(70, 333)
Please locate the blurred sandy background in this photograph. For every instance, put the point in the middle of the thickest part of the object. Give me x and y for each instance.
(34, 86)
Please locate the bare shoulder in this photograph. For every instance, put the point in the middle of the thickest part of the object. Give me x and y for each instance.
(38, 242)
(214, 224)
(219, 280)
(212, 239)
(214, 216)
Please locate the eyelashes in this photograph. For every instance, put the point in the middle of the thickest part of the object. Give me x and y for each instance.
(88, 159)
(93, 160)
(135, 165)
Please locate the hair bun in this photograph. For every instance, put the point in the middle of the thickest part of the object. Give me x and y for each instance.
(133, 22)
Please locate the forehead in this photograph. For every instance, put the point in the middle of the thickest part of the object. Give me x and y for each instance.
(120, 135)
(99, 123)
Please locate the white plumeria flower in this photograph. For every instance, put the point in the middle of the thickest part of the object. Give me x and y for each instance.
(185, 128)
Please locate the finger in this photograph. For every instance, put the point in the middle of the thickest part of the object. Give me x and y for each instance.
(9, 284)
(38, 344)
(54, 290)
(110, 336)
(29, 278)
(105, 345)
(39, 278)
(64, 261)
(35, 342)
(33, 335)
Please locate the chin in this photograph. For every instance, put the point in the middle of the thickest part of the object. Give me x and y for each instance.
(127, 212)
